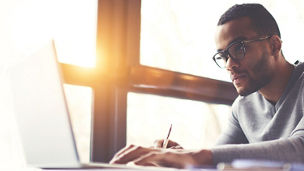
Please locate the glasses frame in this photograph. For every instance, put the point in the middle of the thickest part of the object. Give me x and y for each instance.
(227, 55)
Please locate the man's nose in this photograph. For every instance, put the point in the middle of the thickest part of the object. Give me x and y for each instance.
(230, 64)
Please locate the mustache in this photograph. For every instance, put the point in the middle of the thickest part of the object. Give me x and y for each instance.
(236, 73)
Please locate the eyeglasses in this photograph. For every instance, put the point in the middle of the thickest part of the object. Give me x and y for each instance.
(236, 51)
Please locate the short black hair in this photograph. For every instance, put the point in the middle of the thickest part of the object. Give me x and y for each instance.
(262, 21)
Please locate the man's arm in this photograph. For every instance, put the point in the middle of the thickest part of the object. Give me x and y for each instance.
(162, 157)
(233, 134)
(287, 150)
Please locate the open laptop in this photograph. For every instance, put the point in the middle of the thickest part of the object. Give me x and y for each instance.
(42, 114)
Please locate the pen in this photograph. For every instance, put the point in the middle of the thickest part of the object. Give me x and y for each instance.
(165, 143)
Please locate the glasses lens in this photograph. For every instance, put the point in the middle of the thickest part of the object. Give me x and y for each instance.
(237, 51)
(220, 60)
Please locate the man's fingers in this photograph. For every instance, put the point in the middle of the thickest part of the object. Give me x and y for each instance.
(176, 147)
(127, 155)
(171, 144)
(160, 159)
(174, 144)
(131, 154)
(148, 164)
(124, 150)
(148, 158)
(158, 143)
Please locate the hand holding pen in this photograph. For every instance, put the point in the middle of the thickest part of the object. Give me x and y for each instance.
(166, 143)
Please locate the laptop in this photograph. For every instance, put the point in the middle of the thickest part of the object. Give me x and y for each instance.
(42, 114)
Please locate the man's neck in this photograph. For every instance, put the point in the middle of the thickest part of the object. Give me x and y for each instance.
(274, 90)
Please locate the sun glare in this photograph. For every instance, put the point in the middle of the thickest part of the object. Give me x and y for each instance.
(71, 23)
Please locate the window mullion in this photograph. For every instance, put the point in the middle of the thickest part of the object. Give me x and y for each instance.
(163, 82)
(114, 56)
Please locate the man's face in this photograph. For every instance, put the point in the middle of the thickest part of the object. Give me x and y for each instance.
(255, 70)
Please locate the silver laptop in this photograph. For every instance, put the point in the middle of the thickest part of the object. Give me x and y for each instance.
(42, 114)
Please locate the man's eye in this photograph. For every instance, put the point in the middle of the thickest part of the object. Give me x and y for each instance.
(218, 57)
(238, 47)
(236, 50)
(221, 57)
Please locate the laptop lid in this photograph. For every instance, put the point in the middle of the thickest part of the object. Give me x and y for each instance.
(41, 111)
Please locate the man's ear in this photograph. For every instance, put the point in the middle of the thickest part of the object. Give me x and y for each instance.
(276, 45)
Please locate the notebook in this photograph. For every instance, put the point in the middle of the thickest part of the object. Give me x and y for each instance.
(43, 116)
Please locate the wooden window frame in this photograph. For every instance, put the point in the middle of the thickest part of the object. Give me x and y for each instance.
(118, 71)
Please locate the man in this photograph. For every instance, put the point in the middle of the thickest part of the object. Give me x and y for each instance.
(267, 118)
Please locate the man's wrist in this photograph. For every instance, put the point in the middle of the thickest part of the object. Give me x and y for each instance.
(203, 157)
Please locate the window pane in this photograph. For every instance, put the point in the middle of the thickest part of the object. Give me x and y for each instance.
(71, 23)
(180, 36)
(291, 24)
(79, 101)
(75, 35)
(194, 124)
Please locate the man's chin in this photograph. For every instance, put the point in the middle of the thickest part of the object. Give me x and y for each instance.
(248, 87)
(244, 92)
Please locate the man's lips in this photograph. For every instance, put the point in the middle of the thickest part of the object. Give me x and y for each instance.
(237, 76)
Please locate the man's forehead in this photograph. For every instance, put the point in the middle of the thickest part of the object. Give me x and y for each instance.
(232, 31)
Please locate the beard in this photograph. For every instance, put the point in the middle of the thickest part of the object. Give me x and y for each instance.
(262, 75)
(254, 85)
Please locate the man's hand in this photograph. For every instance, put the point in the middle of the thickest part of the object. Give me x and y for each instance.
(131, 153)
(162, 157)
(171, 144)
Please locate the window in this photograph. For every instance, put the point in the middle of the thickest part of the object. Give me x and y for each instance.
(72, 24)
(120, 79)
(194, 124)
(75, 31)
(180, 36)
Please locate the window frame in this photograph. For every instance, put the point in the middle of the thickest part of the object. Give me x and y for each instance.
(118, 71)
